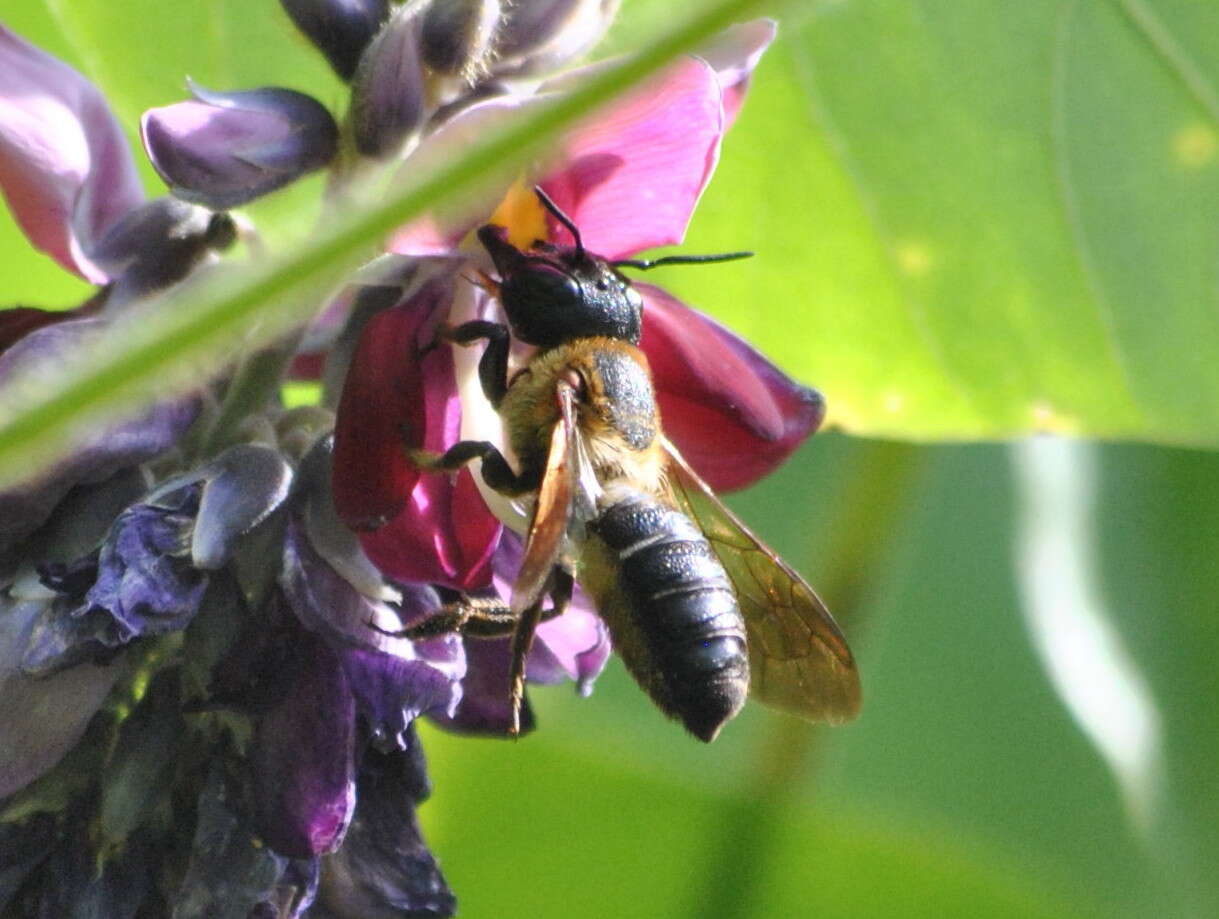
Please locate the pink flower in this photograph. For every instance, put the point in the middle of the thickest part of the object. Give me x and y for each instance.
(629, 178)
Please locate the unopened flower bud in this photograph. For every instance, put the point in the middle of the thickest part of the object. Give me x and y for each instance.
(341, 29)
(457, 35)
(160, 243)
(225, 149)
(388, 95)
(537, 36)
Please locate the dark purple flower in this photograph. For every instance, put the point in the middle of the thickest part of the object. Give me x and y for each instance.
(384, 868)
(149, 575)
(303, 753)
(225, 149)
(230, 872)
(334, 591)
(341, 29)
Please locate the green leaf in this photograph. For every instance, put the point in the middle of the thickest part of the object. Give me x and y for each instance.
(980, 220)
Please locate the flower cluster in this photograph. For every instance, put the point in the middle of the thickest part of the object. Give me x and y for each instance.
(208, 709)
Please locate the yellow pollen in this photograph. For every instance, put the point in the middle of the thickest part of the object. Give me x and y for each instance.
(522, 214)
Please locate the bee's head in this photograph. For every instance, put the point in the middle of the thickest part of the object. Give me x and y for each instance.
(555, 294)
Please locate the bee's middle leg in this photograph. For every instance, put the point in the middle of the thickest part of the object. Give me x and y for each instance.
(495, 469)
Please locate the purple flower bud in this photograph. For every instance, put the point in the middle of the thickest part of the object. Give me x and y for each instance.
(457, 36)
(384, 868)
(224, 149)
(243, 485)
(388, 93)
(341, 29)
(159, 244)
(538, 36)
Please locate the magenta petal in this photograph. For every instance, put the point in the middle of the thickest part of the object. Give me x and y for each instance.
(415, 528)
(731, 412)
(65, 169)
(630, 176)
(734, 55)
(383, 398)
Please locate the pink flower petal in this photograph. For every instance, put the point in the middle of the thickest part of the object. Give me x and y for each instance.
(734, 55)
(733, 414)
(430, 528)
(65, 169)
(629, 177)
(383, 393)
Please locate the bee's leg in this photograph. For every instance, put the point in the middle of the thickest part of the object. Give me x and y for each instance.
(560, 592)
(496, 471)
(493, 365)
(561, 589)
(522, 642)
(471, 616)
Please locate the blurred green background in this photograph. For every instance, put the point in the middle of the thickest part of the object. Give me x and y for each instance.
(975, 220)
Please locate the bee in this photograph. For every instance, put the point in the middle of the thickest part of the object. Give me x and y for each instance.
(701, 611)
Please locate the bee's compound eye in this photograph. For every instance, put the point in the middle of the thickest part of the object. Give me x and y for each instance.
(543, 285)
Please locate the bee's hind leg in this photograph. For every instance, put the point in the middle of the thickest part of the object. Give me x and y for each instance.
(473, 616)
(562, 586)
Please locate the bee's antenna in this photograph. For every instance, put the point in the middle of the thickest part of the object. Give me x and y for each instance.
(561, 217)
(645, 264)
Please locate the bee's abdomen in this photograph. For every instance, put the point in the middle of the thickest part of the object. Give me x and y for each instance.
(688, 642)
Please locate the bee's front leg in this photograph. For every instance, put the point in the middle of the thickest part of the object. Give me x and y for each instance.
(496, 471)
(493, 365)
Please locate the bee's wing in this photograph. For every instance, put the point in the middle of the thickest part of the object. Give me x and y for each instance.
(553, 508)
(798, 659)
